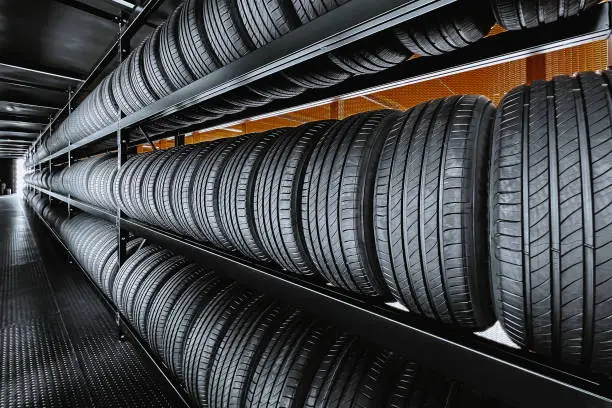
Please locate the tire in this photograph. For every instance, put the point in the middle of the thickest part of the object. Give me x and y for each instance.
(237, 193)
(135, 279)
(337, 197)
(125, 183)
(201, 189)
(369, 56)
(111, 268)
(153, 67)
(127, 86)
(240, 350)
(150, 188)
(352, 374)
(150, 286)
(225, 31)
(120, 98)
(164, 208)
(308, 10)
(205, 336)
(138, 187)
(165, 299)
(172, 58)
(182, 316)
(447, 29)
(267, 20)
(550, 212)
(431, 187)
(278, 197)
(193, 41)
(125, 271)
(245, 98)
(288, 363)
(317, 73)
(522, 14)
(276, 87)
(181, 188)
(143, 90)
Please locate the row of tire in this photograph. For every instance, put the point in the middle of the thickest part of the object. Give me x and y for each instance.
(202, 35)
(406, 203)
(229, 346)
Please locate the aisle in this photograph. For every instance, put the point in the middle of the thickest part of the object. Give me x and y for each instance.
(58, 344)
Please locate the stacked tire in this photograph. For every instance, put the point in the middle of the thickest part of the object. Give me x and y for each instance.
(230, 346)
(459, 212)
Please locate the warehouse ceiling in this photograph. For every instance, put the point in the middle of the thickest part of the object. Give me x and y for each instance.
(48, 47)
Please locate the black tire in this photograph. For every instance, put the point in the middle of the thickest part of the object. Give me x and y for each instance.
(447, 29)
(193, 41)
(128, 87)
(337, 198)
(237, 193)
(352, 374)
(164, 208)
(278, 197)
(135, 279)
(118, 92)
(110, 269)
(205, 336)
(317, 73)
(142, 88)
(430, 210)
(153, 67)
(308, 10)
(276, 87)
(172, 58)
(225, 31)
(150, 188)
(267, 20)
(125, 271)
(182, 316)
(201, 201)
(244, 97)
(150, 286)
(369, 56)
(240, 350)
(164, 301)
(180, 189)
(521, 14)
(288, 363)
(550, 212)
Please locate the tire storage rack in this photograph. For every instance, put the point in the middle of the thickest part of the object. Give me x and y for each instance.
(457, 353)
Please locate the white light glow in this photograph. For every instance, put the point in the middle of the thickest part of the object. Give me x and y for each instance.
(20, 173)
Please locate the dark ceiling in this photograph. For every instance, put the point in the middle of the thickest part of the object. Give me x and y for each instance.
(48, 47)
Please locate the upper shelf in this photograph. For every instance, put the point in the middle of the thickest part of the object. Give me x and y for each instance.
(351, 22)
(355, 20)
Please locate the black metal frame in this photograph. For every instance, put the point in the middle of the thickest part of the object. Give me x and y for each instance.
(126, 326)
(515, 376)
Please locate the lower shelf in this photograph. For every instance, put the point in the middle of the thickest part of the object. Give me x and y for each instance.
(488, 366)
(124, 328)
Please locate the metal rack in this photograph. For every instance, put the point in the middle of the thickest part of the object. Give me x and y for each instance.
(124, 326)
(460, 354)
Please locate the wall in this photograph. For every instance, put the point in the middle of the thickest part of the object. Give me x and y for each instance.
(7, 172)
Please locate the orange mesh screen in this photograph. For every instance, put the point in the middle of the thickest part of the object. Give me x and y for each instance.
(587, 57)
